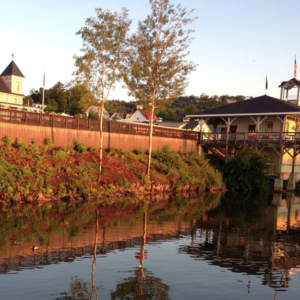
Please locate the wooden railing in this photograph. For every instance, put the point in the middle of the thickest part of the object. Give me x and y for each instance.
(252, 138)
(29, 118)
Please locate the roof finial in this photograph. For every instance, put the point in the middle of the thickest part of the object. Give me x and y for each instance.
(13, 57)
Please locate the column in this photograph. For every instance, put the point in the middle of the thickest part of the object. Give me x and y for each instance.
(227, 137)
(281, 93)
(257, 124)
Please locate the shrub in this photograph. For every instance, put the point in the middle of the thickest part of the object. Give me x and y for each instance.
(20, 145)
(139, 151)
(69, 150)
(7, 141)
(48, 143)
(92, 149)
(79, 146)
(297, 189)
(246, 171)
(60, 154)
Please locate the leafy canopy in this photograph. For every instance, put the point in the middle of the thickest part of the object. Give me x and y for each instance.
(157, 69)
(246, 171)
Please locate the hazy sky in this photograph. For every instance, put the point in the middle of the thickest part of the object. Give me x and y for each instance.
(236, 41)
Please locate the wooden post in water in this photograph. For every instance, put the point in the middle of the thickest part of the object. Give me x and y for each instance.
(227, 138)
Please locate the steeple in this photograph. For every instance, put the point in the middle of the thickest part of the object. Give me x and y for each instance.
(12, 70)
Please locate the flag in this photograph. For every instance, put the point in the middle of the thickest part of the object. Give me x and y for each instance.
(44, 80)
(266, 83)
(295, 68)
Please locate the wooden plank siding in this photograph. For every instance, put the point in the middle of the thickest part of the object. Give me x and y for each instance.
(64, 130)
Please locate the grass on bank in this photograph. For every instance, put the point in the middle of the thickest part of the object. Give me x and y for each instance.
(29, 170)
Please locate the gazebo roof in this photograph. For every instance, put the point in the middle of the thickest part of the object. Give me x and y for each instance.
(290, 83)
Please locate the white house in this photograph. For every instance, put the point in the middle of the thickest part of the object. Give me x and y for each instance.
(97, 110)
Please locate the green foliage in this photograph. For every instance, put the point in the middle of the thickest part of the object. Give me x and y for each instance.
(79, 146)
(143, 176)
(48, 143)
(69, 150)
(246, 171)
(7, 141)
(93, 115)
(187, 169)
(52, 106)
(20, 145)
(60, 154)
(92, 149)
(139, 151)
(123, 183)
(297, 189)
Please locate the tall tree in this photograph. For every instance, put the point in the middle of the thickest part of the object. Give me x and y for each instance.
(100, 67)
(157, 65)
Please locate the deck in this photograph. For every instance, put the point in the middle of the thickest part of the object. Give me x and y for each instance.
(254, 139)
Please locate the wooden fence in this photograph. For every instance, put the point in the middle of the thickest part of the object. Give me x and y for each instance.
(29, 118)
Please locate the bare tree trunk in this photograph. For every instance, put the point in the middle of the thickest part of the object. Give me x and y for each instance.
(150, 138)
(101, 142)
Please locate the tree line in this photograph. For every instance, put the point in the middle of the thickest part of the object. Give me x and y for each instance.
(75, 99)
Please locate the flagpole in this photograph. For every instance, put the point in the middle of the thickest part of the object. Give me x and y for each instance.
(266, 84)
(295, 68)
(43, 98)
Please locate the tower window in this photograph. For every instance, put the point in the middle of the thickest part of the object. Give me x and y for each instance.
(17, 86)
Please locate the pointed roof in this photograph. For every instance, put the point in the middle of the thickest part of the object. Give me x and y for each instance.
(263, 105)
(3, 87)
(12, 69)
(290, 83)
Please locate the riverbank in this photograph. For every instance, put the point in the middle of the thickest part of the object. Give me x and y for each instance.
(32, 173)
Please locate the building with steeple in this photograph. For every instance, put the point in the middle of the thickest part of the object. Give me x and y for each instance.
(11, 86)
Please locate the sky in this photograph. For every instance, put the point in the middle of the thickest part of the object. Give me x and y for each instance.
(236, 42)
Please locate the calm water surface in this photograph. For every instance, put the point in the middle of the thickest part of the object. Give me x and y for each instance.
(197, 247)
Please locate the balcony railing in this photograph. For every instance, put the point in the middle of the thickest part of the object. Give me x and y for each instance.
(250, 138)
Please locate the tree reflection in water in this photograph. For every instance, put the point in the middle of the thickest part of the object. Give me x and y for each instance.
(143, 285)
(80, 290)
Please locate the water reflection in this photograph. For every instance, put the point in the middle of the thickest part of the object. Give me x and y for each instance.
(247, 235)
(143, 284)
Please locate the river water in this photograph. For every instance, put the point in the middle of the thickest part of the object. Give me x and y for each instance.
(208, 246)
